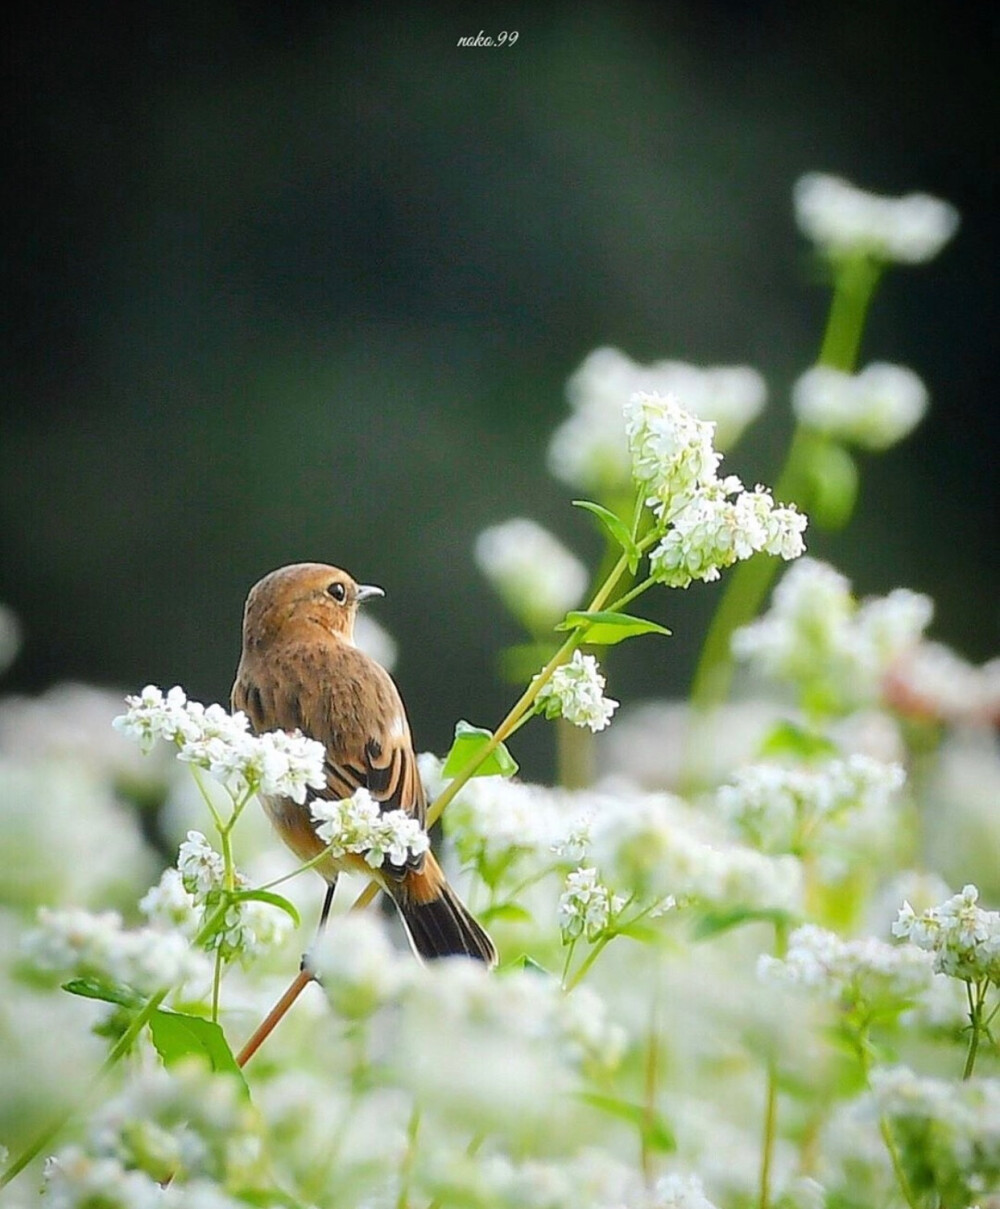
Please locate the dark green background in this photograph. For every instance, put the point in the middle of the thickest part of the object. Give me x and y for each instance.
(303, 282)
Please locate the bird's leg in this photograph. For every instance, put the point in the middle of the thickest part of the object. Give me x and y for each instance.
(324, 915)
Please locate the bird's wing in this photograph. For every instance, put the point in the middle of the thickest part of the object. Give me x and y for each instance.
(351, 705)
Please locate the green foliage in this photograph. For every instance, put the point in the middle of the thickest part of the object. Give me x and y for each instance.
(468, 745)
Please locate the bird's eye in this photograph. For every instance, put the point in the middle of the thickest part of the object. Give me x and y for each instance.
(337, 591)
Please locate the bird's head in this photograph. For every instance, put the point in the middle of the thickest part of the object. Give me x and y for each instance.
(308, 593)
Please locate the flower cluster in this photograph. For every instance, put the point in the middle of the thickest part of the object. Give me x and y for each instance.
(85, 944)
(589, 448)
(947, 1131)
(800, 810)
(183, 1127)
(844, 221)
(674, 461)
(587, 906)
(964, 938)
(358, 825)
(535, 575)
(575, 692)
(835, 650)
(932, 681)
(855, 972)
(187, 896)
(872, 409)
(278, 763)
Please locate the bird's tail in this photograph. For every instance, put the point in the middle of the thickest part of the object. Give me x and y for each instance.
(435, 918)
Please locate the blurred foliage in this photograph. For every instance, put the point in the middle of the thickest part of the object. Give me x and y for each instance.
(305, 282)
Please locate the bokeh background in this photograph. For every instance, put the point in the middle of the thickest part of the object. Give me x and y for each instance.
(306, 282)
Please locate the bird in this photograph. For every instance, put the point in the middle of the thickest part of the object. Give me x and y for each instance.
(299, 670)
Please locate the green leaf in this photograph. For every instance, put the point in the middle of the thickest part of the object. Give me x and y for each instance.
(788, 739)
(108, 992)
(714, 923)
(655, 1131)
(177, 1036)
(639, 930)
(267, 896)
(607, 629)
(469, 743)
(528, 963)
(509, 911)
(833, 482)
(616, 529)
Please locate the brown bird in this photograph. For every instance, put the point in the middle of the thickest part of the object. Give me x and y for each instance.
(300, 670)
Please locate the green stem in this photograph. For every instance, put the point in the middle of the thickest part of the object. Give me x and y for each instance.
(771, 1096)
(409, 1158)
(519, 710)
(977, 1005)
(885, 1129)
(748, 583)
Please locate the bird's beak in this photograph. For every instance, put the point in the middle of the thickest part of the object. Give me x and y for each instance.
(366, 592)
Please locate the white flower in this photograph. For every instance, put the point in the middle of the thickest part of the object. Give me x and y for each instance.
(672, 453)
(576, 692)
(358, 825)
(658, 847)
(589, 449)
(846, 221)
(74, 1179)
(866, 971)
(930, 680)
(359, 968)
(964, 938)
(84, 944)
(587, 906)
(538, 579)
(277, 763)
(151, 716)
(711, 532)
(873, 409)
(817, 636)
(187, 897)
(838, 810)
(680, 1192)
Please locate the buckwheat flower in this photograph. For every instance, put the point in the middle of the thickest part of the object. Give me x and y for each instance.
(151, 716)
(839, 804)
(170, 904)
(277, 763)
(866, 971)
(357, 824)
(964, 938)
(587, 906)
(576, 692)
(74, 1179)
(680, 1192)
(187, 897)
(202, 869)
(87, 945)
(672, 452)
(357, 966)
(845, 221)
(817, 637)
(873, 409)
(930, 680)
(589, 449)
(537, 578)
(948, 1130)
(186, 1123)
(710, 533)
(588, 1030)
